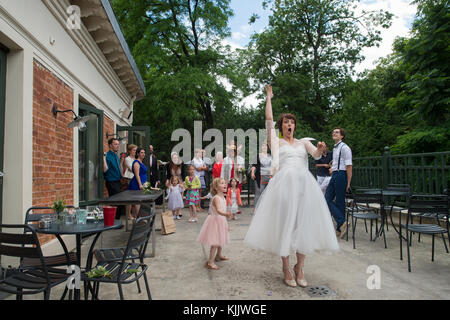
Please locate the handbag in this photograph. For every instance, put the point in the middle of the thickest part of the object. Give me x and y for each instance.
(265, 179)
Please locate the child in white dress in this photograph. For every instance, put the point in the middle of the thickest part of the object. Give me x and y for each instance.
(175, 198)
(233, 198)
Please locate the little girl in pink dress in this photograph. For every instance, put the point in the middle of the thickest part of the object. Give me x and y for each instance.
(214, 231)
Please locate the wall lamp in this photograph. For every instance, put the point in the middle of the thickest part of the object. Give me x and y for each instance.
(78, 122)
(122, 140)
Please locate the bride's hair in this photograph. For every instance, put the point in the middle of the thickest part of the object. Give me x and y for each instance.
(281, 119)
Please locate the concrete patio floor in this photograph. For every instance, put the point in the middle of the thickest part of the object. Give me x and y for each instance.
(177, 271)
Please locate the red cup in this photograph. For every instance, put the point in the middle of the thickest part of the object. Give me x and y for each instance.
(109, 214)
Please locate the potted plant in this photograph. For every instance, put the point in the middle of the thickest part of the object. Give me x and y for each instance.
(101, 272)
(58, 206)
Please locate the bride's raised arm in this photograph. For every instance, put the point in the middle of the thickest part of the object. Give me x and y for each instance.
(272, 138)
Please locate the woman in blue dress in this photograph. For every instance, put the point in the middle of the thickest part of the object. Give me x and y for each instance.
(140, 176)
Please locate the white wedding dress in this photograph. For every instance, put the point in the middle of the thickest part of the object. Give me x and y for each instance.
(292, 213)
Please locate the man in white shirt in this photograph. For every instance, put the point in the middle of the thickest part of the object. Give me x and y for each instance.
(340, 180)
(200, 168)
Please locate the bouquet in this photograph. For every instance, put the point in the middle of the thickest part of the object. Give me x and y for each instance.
(148, 188)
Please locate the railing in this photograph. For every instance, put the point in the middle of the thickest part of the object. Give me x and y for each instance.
(426, 173)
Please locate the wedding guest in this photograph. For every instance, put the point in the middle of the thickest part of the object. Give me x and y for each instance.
(214, 231)
(192, 185)
(340, 180)
(175, 167)
(128, 171)
(140, 176)
(217, 169)
(200, 168)
(233, 198)
(153, 168)
(112, 172)
(233, 166)
(260, 173)
(175, 198)
(323, 166)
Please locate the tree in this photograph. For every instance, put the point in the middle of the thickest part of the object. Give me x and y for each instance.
(370, 123)
(312, 46)
(186, 70)
(425, 96)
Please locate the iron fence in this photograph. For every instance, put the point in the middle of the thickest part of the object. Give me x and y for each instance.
(426, 173)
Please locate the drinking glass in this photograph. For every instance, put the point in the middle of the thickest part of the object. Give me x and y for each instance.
(81, 216)
(69, 218)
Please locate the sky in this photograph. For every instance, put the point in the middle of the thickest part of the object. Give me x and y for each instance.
(401, 24)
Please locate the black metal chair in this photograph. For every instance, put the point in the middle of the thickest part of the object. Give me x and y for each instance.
(65, 259)
(350, 205)
(26, 280)
(362, 210)
(117, 260)
(397, 187)
(116, 254)
(439, 217)
(436, 206)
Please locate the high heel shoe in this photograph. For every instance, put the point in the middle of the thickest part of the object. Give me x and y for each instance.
(301, 282)
(290, 283)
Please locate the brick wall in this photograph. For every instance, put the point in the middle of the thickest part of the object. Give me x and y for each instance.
(53, 171)
(108, 127)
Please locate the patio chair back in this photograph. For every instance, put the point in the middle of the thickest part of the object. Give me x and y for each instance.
(31, 215)
(359, 197)
(140, 235)
(433, 206)
(21, 245)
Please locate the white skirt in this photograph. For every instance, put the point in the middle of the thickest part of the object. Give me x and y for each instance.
(292, 215)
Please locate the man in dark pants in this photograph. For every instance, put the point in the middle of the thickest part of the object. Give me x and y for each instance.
(153, 169)
(113, 173)
(340, 181)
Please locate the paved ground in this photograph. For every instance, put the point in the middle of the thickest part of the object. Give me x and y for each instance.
(177, 271)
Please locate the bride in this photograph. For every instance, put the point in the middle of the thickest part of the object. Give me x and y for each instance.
(292, 213)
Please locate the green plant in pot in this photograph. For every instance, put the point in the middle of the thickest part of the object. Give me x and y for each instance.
(99, 272)
(58, 206)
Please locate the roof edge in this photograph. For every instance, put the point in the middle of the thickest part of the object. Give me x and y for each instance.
(118, 31)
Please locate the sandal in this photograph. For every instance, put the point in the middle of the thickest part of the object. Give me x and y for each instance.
(222, 258)
(214, 267)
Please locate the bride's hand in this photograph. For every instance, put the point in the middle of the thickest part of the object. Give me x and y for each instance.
(269, 90)
(321, 146)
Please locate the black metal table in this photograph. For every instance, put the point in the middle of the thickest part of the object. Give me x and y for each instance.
(61, 228)
(135, 197)
(387, 193)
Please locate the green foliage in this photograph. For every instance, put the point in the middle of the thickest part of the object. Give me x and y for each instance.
(425, 59)
(99, 272)
(426, 139)
(188, 73)
(424, 99)
(59, 205)
(307, 53)
(308, 50)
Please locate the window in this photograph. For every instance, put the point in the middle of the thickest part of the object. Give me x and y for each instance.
(90, 150)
